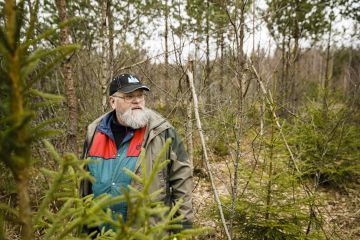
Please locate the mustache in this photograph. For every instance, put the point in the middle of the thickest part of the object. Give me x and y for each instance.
(137, 107)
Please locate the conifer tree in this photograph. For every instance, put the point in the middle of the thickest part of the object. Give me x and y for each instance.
(18, 72)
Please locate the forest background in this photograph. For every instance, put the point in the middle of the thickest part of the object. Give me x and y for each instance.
(271, 125)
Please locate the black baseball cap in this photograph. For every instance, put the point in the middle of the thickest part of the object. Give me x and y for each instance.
(126, 83)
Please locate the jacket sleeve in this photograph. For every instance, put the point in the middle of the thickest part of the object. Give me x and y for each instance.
(85, 184)
(180, 177)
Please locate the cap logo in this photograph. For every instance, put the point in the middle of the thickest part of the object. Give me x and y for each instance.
(132, 79)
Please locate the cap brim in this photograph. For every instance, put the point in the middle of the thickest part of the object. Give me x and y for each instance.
(131, 88)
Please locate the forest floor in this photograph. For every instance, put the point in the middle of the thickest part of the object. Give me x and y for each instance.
(339, 210)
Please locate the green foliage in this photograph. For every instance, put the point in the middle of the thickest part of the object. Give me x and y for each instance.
(63, 189)
(281, 213)
(86, 32)
(19, 70)
(349, 9)
(221, 132)
(272, 203)
(296, 19)
(221, 149)
(197, 11)
(76, 212)
(72, 212)
(313, 91)
(206, 17)
(285, 218)
(286, 221)
(327, 144)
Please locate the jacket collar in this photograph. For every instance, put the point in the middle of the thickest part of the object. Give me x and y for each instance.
(156, 124)
(105, 125)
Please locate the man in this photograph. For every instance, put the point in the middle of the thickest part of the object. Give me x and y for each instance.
(115, 140)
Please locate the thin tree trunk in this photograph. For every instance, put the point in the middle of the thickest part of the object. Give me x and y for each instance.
(240, 76)
(327, 74)
(196, 70)
(270, 176)
(293, 95)
(222, 62)
(253, 29)
(104, 72)
(190, 77)
(283, 69)
(19, 159)
(166, 36)
(188, 133)
(242, 33)
(262, 110)
(110, 18)
(199, 165)
(347, 76)
(287, 78)
(239, 125)
(22, 183)
(20, 172)
(70, 91)
(207, 30)
(270, 172)
(208, 96)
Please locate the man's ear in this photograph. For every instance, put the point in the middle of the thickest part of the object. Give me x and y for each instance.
(112, 102)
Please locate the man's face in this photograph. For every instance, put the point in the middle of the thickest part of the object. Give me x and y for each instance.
(130, 108)
(121, 102)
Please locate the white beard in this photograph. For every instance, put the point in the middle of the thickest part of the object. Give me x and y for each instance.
(134, 118)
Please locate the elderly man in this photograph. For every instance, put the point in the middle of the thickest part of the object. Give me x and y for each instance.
(115, 140)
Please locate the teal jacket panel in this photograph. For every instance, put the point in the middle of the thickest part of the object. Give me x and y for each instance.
(110, 175)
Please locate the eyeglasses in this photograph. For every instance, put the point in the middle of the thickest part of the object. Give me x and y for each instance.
(131, 98)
